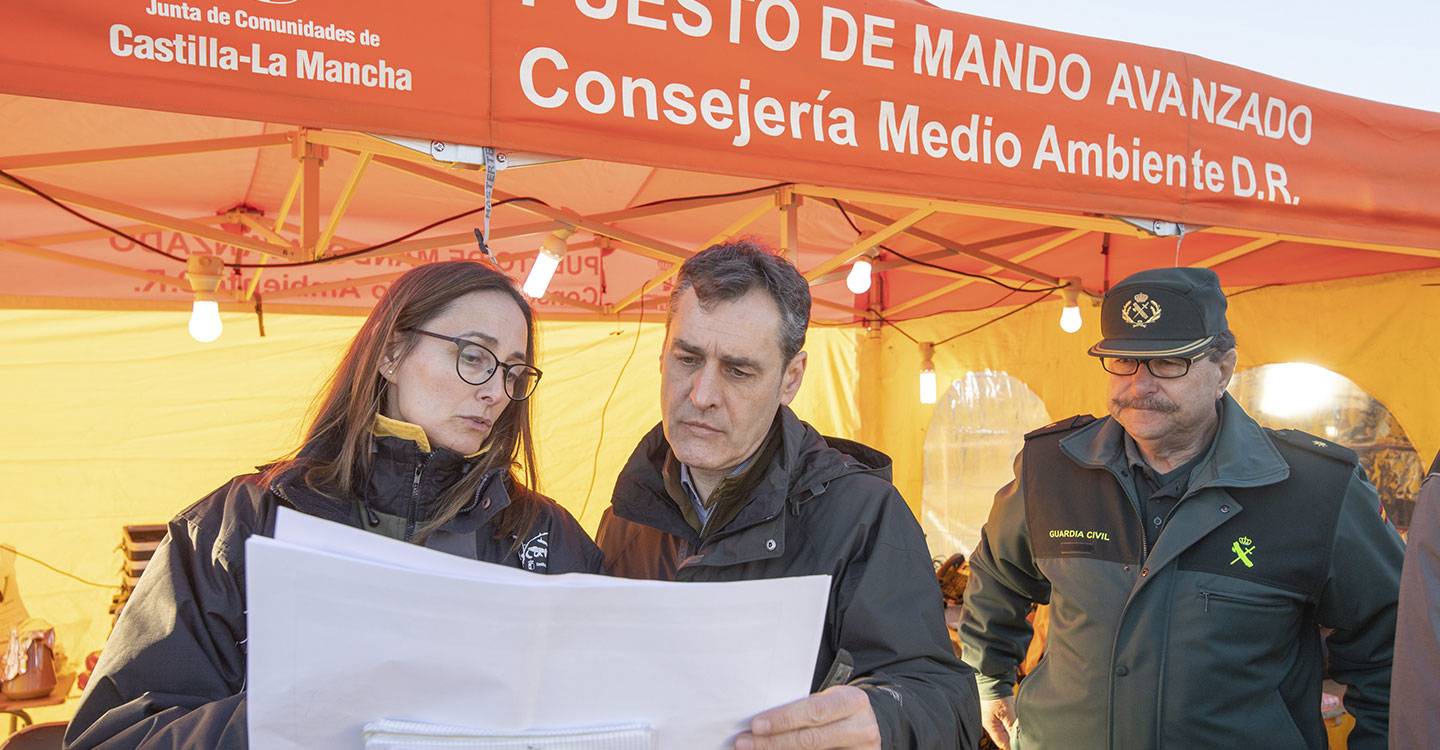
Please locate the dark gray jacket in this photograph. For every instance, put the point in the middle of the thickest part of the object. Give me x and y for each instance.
(1414, 703)
(1190, 644)
(823, 506)
(172, 674)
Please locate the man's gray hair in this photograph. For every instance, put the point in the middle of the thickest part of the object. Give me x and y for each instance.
(727, 271)
(1224, 342)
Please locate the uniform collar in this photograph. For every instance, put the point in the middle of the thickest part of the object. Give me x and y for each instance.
(388, 427)
(1241, 455)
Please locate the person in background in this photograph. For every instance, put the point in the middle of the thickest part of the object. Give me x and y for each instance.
(1190, 557)
(420, 436)
(732, 486)
(1414, 705)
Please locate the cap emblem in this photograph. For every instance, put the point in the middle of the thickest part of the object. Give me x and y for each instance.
(1140, 311)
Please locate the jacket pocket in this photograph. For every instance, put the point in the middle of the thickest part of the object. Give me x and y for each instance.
(1209, 598)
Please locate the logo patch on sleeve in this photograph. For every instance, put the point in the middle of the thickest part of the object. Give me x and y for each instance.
(535, 552)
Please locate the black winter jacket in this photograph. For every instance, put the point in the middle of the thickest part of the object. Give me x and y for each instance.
(172, 674)
(823, 506)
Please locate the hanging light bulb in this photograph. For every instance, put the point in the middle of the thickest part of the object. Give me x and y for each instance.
(1070, 320)
(927, 374)
(552, 251)
(858, 281)
(204, 272)
(205, 325)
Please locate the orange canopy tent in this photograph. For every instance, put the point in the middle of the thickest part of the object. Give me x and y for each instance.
(988, 147)
(321, 147)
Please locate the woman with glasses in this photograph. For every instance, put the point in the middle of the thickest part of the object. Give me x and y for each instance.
(422, 434)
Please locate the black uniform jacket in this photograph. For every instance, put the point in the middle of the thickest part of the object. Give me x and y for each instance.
(823, 506)
(1212, 637)
(172, 674)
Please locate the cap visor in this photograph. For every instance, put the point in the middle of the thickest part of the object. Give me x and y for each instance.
(1144, 348)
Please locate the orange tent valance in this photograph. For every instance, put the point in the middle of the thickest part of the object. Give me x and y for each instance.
(898, 97)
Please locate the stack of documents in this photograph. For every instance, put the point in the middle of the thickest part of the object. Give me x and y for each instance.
(348, 629)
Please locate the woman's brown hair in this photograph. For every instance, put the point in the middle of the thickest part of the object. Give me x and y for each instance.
(335, 454)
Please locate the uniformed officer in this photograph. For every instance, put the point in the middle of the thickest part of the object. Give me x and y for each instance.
(1190, 557)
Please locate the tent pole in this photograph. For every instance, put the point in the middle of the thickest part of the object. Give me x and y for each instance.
(868, 241)
(750, 217)
(88, 235)
(311, 157)
(1024, 216)
(789, 205)
(154, 218)
(120, 153)
(1234, 253)
(950, 250)
(273, 234)
(96, 265)
(1043, 247)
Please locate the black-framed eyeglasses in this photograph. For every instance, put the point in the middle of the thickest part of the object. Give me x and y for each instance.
(476, 364)
(1165, 368)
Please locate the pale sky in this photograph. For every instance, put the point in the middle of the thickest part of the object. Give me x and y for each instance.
(1386, 50)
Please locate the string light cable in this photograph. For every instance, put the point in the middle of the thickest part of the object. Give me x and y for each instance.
(337, 257)
(995, 319)
(978, 276)
(605, 408)
(54, 569)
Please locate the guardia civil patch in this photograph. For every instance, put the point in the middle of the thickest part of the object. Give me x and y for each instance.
(1140, 311)
(1243, 549)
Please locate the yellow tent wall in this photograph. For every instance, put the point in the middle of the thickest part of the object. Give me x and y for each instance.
(119, 417)
(1381, 332)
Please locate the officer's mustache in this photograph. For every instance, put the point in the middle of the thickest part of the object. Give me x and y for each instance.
(1148, 403)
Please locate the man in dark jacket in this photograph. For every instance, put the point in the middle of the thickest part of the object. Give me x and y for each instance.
(1415, 715)
(1190, 558)
(731, 486)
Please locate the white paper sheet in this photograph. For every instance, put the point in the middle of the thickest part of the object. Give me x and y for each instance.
(411, 735)
(348, 628)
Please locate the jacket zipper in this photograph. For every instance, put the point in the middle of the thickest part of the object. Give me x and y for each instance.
(1129, 488)
(415, 497)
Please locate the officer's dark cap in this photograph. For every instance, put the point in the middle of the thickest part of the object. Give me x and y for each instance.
(1163, 312)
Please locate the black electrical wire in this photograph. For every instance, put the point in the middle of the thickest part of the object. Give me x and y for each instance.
(362, 250)
(289, 264)
(994, 320)
(948, 311)
(891, 323)
(67, 574)
(600, 441)
(96, 222)
(734, 194)
(966, 274)
(927, 264)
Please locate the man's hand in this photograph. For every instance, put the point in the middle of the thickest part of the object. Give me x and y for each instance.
(838, 718)
(998, 718)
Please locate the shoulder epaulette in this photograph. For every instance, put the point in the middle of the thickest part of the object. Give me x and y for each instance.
(1302, 439)
(1064, 425)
